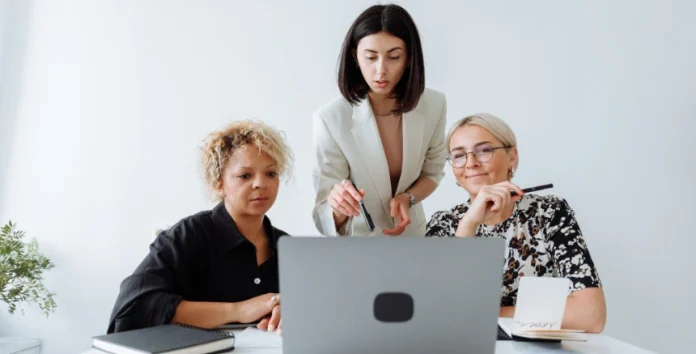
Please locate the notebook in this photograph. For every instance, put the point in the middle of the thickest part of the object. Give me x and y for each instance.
(236, 325)
(506, 325)
(165, 339)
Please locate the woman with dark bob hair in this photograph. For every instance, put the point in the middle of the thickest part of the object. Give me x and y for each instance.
(385, 133)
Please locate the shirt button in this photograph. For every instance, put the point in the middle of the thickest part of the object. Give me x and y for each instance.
(257, 281)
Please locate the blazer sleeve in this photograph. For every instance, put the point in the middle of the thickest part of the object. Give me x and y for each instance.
(330, 167)
(150, 296)
(436, 155)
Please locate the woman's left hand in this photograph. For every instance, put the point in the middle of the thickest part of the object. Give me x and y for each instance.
(399, 210)
(273, 322)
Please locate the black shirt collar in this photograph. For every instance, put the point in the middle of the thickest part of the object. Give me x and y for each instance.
(230, 236)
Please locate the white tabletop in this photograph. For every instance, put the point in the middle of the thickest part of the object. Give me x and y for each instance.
(20, 345)
(596, 344)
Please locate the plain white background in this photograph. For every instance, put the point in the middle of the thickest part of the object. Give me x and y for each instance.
(104, 104)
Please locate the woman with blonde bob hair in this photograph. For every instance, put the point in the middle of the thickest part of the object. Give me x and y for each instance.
(218, 266)
(543, 237)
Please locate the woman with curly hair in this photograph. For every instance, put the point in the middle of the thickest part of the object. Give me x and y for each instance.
(218, 266)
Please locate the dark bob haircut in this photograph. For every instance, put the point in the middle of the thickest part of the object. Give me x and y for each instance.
(394, 20)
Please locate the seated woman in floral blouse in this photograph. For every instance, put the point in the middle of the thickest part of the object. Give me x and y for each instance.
(543, 237)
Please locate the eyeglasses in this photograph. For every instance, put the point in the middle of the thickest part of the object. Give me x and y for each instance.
(483, 153)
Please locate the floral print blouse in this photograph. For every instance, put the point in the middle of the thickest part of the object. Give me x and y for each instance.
(543, 240)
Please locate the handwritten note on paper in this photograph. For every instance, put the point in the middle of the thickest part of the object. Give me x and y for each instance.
(253, 337)
(540, 303)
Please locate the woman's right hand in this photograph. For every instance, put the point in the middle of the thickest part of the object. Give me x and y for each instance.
(344, 199)
(489, 201)
(272, 322)
(257, 307)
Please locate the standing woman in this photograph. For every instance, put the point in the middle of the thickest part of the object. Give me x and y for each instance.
(385, 133)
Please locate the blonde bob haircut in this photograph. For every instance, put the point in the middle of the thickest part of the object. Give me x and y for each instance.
(496, 126)
(219, 146)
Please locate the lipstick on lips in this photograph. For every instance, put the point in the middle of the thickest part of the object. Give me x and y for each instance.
(381, 83)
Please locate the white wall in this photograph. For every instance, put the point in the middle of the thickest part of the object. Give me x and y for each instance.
(5, 132)
(13, 31)
(115, 96)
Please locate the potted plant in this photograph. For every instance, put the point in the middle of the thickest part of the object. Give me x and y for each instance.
(21, 281)
(21, 271)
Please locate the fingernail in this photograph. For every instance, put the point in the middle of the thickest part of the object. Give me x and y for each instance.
(271, 328)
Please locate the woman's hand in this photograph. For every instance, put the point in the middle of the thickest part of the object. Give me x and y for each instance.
(399, 211)
(257, 307)
(489, 201)
(273, 322)
(344, 200)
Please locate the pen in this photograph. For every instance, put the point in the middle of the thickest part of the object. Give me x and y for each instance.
(366, 215)
(533, 189)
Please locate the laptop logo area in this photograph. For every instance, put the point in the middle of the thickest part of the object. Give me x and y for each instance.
(393, 307)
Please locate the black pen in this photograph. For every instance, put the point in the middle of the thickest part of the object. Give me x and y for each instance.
(533, 189)
(366, 215)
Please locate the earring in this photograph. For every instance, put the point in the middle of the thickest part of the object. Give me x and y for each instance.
(457, 183)
(511, 172)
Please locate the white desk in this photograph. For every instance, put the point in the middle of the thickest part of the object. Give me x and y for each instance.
(596, 344)
(9, 345)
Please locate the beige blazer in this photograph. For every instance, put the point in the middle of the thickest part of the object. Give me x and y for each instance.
(347, 145)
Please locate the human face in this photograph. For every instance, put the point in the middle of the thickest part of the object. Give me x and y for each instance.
(382, 60)
(250, 182)
(487, 163)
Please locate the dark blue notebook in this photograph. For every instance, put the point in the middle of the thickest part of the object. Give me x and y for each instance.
(166, 339)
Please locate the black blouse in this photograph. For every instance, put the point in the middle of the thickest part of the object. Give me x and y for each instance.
(203, 257)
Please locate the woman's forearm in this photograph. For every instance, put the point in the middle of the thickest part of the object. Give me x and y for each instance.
(206, 314)
(339, 220)
(507, 311)
(422, 188)
(585, 311)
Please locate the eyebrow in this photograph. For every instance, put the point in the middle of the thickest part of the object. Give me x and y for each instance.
(251, 168)
(475, 146)
(389, 51)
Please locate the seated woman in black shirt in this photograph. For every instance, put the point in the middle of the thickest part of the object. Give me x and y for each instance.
(218, 266)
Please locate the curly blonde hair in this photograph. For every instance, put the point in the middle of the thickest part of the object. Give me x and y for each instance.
(219, 146)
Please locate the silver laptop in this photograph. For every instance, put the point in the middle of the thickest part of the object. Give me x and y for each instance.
(390, 294)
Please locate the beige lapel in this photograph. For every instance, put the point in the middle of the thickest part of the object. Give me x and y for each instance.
(370, 144)
(413, 130)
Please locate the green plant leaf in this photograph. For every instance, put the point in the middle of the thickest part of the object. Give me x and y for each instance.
(21, 271)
